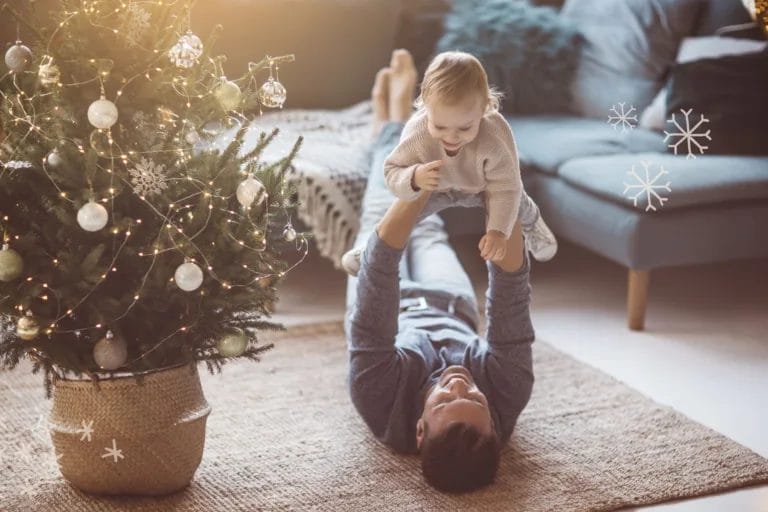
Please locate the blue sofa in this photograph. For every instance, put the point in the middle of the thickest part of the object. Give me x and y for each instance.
(576, 167)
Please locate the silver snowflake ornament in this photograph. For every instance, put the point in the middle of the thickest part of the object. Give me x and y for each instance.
(688, 134)
(137, 23)
(646, 187)
(621, 117)
(148, 178)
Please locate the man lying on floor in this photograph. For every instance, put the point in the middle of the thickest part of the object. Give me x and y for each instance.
(420, 376)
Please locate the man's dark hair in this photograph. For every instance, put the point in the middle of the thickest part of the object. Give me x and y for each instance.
(460, 459)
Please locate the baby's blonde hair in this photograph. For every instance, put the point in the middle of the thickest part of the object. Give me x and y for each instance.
(452, 76)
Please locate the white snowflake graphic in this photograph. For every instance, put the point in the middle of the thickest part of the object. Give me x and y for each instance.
(113, 452)
(137, 23)
(86, 431)
(148, 178)
(688, 134)
(648, 187)
(622, 117)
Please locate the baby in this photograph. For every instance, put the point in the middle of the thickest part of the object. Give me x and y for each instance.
(461, 148)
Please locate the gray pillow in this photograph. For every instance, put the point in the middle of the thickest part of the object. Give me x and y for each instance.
(630, 46)
(529, 52)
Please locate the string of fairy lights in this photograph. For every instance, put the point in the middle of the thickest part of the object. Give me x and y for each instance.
(110, 353)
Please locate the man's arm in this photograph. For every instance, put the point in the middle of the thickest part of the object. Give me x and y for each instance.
(375, 363)
(510, 334)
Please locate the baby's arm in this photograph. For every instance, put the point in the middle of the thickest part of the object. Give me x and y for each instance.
(503, 188)
(402, 162)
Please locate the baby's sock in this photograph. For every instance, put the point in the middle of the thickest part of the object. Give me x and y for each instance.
(528, 212)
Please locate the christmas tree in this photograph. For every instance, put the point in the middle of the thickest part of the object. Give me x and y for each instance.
(132, 237)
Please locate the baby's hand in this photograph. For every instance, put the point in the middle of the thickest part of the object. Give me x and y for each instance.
(493, 246)
(427, 176)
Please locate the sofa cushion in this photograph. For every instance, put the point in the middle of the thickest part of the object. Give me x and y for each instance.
(731, 93)
(545, 142)
(691, 49)
(705, 180)
(629, 47)
(534, 68)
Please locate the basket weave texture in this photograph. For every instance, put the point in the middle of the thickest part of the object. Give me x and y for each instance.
(156, 421)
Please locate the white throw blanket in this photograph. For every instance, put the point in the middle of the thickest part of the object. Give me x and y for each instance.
(331, 168)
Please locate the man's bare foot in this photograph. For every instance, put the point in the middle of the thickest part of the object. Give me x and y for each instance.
(380, 100)
(402, 85)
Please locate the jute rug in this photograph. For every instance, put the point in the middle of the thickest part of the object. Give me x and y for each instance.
(284, 436)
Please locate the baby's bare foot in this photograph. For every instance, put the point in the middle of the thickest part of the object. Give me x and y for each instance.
(380, 99)
(402, 85)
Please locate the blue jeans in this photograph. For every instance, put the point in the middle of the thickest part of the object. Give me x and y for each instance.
(428, 245)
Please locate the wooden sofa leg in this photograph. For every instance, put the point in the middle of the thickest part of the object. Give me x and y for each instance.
(637, 298)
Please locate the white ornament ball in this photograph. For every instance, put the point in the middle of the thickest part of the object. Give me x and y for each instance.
(289, 234)
(228, 94)
(272, 94)
(102, 113)
(249, 191)
(92, 216)
(18, 57)
(54, 159)
(11, 264)
(186, 52)
(110, 353)
(188, 276)
(232, 344)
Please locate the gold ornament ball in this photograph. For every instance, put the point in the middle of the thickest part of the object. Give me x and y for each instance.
(11, 264)
(27, 327)
(232, 344)
(228, 94)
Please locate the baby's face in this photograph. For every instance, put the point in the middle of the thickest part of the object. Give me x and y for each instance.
(453, 126)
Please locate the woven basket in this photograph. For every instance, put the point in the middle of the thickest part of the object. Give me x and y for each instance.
(157, 424)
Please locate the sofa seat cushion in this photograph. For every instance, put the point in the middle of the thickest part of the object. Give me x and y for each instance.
(706, 180)
(544, 143)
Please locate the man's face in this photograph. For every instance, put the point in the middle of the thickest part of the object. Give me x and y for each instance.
(455, 398)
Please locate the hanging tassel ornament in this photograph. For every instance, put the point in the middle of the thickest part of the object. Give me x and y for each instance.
(48, 73)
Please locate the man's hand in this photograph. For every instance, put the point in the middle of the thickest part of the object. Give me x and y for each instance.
(493, 246)
(427, 176)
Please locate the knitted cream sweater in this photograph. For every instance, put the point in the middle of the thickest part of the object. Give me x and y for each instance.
(488, 163)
